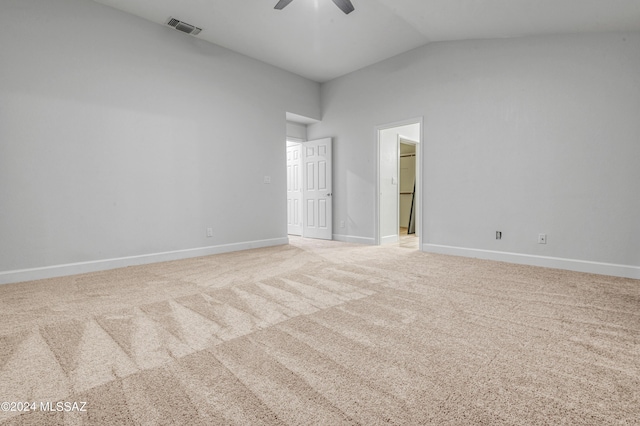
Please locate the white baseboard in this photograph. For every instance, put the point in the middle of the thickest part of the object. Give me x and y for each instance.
(625, 271)
(389, 239)
(354, 239)
(121, 262)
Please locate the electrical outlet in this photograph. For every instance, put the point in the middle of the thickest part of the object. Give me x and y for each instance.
(542, 238)
(209, 232)
(498, 235)
(267, 179)
(342, 224)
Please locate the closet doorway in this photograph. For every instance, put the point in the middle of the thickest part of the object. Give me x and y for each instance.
(407, 202)
(398, 213)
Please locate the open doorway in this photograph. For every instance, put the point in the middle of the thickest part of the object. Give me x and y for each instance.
(309, 181)
(398, 213)
(407, 202)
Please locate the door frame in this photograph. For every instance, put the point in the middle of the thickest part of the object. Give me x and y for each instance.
(419, 175)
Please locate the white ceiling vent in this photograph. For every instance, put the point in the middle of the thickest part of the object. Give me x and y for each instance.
(183, 26)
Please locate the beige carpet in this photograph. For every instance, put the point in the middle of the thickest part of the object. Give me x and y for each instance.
(323, 333)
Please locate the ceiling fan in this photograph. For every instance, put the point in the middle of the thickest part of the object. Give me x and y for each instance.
(344, 5)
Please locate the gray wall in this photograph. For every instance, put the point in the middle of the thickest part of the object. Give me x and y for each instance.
(525, 136)
(121, 138)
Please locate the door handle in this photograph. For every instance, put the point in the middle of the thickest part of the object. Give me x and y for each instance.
(329, 195)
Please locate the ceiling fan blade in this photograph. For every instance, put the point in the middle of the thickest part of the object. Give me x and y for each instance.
(282, 3)
(345, 6)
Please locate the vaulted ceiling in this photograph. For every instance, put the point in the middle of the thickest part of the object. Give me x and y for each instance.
(314, 39)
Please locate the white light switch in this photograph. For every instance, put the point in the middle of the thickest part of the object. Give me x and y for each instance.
(267, 179)
(394, 181)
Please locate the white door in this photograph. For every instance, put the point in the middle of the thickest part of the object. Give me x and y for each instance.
(294, 188)
(317, 193)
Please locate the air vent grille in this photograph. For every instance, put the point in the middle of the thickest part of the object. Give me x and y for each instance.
(183, 26)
